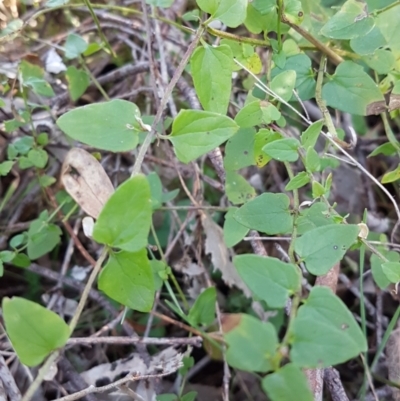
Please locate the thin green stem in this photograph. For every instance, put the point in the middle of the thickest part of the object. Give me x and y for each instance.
(280, 6)
(93, 78)
(384, 9)
(237, 38)
(385, 338)
(97, 23)
(296, 205)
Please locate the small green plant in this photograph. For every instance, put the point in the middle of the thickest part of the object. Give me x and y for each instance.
(355, 71)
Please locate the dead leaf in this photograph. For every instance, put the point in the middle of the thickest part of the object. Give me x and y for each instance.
(86, 181)
(215, 246)
(393, 360)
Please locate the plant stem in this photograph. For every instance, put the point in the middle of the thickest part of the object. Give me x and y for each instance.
(97, 23)
(149, 138)
(237, 38)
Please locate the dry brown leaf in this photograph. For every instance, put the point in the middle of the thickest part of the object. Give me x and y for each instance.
(215, 246)
(86, 181)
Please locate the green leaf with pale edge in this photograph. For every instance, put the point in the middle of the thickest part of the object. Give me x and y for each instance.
(268, 213)
(284, 150)
(34, 331)
(211, 69)
(237, 188)
(268, 278)
(32, 77)
(298, 181)
(234, 232)
(251, 344)
(349, 22)
(196, 132)
(109, 125)
(203, 310)
(392, 271)
(78, 81)
(127, 278)
(351, 90)
(125, 219)
(287, 383)
(324, 332)
(284, 83)
(324, 246)
(386, 149)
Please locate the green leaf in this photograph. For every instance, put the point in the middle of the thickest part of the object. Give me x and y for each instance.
(269, 112)
(232, 13)
(78, 81)
(237, 189)
(32, 77)
(391, 176)
(196, 132)
(256, 22)
(268, 213)
(270, 279)
(24, 144)
(74, 46)
(43, 238)
(368, 43)
(203, 310)
(284, 83)
(38, 157)
(211, 69)
(46, 181)
(160, 273)
(293, 12)
(284, 150)
(351, 90)
(386, 149)
(21, 260)
(334, 336)
(350, 22)
(109, 126)
(125, 219)
(310, 136)
(315, 216)
(234, 232)
(34, 331)
(127, 278)
(287, 383)
(378, 274)
(305, 81)
(250, 115)
(155, 190)
(313, 161)
(298, 181)
(324, 246)
(392, 271)
(263, 137)
(382, 61)
(239, 151)
(251, 343)
(5, 167)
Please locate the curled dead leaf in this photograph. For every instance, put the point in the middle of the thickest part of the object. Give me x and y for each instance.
(86, 181)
